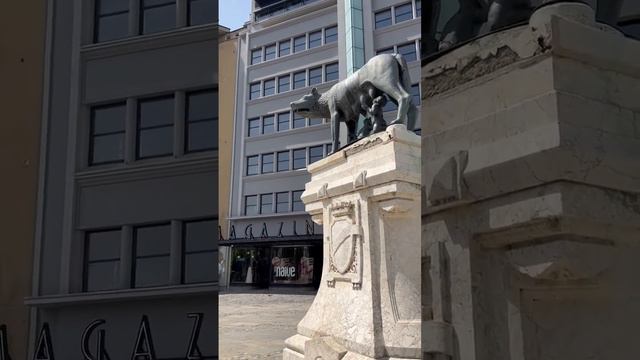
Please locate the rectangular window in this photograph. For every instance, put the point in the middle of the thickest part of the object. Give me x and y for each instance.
(253, 167)
(415, 93)
(299, 121)
(270, 52)
(266, 204)
(299, 80)
(383, 18)
(256, 56)
(299, 43)
(404, 12)
(284, 83)
(199, 251)
(282, 202)
(283, 121)
(106, 144)
(251, 205)
(284, 47)
(152, 252)
(269, 87)
(267, 163)
(102, 260)
(331, 72)
(267, 124)
(155, 127)
(331, 34)
(201, 12)
(111, 20)
(389, 50)
(315, 153)
(297, 204)
(315, 121)
(202, 121)
(254, 91)
(315, 76)
(254, 127)
(299, 159)
(418, 8)
(157, 15)
(408, 51)
(283, 161)
(315, 39)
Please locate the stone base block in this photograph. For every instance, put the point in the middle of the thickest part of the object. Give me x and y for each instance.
(288, 354)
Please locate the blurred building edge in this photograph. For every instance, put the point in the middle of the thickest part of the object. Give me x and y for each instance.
(227, 70)
(21, 96)
(287, 48)
(128, 184)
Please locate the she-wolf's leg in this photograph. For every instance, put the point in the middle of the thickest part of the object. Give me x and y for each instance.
(398, 92)
(335, 131)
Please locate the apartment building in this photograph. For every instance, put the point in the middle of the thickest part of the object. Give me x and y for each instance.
(286, 49)
(126, 228)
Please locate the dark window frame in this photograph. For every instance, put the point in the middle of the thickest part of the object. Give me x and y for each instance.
(288, 161)
(92, 134)
(188, 121)
(139, 129)
(328, 39)
(257, 166)
(134, 255)
(384, 20)
(257, 204)
(144, 8)
(280, 47)
(395, 12)
(262, 163)
(185, 253)
(86, 261)
(317, 42)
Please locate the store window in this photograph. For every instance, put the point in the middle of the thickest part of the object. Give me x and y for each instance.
(155, 127)
(102, 260)
(269, 87)
(152, 246)
(299, 43)
(111, 20)
(296, 202)
(266, 204)
(383, 18)
(202, 121)
(404, 12)
(315, 76)
(408, 51)
(267, 163)
(268, 126)
(292, 265)
(331, 34)
(251, 205)
(284, 47)
(331, 72)
(315, 39)
(157, 15)
(282, 202)
(283, 121)
(253, 167)
(107, 134)
(284, 83)
(270, 52)
(283, 161)
(315, 153)
(256, 56)
(254, 127)
(244, 265)
(254, 91)
(299, 79)
(199, 251)
(299, 159)
(201, 12)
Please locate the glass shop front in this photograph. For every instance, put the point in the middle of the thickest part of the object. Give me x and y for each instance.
(272, 265)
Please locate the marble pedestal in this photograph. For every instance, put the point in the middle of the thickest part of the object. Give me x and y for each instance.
(531, 220)
(367, 198)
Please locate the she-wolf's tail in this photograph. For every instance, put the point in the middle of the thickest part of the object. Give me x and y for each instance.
(404, 72)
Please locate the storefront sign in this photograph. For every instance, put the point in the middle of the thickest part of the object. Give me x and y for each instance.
(264, 231)
(284, 271)
(143, 349)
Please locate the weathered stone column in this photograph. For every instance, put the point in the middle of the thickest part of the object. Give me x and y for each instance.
(367, 197)
(531, 220)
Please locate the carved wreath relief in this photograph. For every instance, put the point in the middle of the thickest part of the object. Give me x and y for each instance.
(345, 244)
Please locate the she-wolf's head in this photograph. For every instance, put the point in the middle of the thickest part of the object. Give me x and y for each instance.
(308, 106)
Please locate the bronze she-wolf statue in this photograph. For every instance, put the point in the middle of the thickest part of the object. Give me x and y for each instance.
(385, 74)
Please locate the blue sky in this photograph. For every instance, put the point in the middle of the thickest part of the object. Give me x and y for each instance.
(234, 13)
